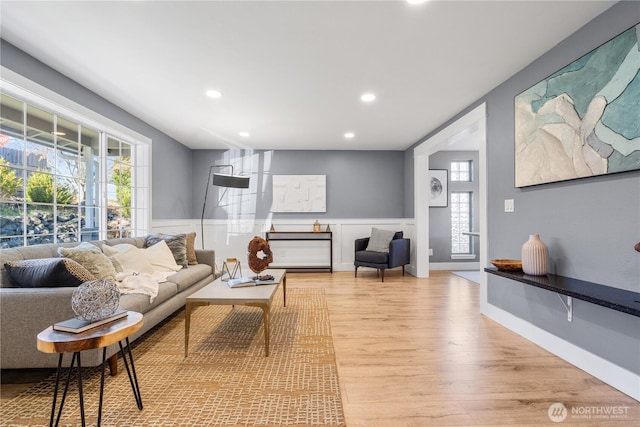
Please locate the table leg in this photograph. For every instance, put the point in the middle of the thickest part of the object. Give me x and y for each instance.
(266, 317)
(104, 359)
(64, 393)
(133, 378)
(80, 394)
(284, 289)
(187, 325)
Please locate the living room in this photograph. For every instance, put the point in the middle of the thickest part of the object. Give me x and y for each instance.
(590, 225)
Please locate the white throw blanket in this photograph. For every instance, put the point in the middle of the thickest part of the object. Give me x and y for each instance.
(142, 283)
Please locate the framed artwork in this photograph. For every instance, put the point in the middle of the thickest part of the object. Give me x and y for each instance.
(299, 193)
(438, 188)
(582, 120)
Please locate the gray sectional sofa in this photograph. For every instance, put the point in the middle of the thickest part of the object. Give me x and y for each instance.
(24, 312)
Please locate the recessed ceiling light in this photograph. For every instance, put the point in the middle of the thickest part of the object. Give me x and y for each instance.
(244, 134)
(416, 1)
(368, 97)
(214, 93)
(349, 135)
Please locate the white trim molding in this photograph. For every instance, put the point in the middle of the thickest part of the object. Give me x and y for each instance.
(612, 374)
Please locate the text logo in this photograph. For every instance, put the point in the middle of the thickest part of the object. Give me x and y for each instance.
(557, 412)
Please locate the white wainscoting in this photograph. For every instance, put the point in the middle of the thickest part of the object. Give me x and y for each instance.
(229, 238)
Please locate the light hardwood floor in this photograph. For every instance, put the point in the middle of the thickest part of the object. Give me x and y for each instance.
(416, 352)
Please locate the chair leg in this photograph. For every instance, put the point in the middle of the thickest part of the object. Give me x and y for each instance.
(356, 272)
(382, 273)
(403, 270)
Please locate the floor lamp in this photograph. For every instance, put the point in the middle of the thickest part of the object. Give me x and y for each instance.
(221, 180)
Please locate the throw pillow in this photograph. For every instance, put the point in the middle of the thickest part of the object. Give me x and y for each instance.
(160, 257)
(127, 258)
(91, 258)
(191, 249)
(47, 273)
(379, 240)
(176, 242)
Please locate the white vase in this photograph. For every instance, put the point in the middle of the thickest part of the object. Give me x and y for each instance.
(534, 256)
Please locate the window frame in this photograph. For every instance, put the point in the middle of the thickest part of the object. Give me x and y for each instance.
(16, 86)
(471, 253)
(455, 174)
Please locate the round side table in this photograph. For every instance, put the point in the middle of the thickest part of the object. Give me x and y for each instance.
(51, 341)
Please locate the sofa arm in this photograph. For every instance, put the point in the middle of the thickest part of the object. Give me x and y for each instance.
(25, 312)
(399, 252)
(207, 256)
(361, 244)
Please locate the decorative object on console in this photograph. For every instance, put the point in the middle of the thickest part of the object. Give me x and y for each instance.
(583, 119)
(260, 255)
(507, 264)
(534, 256)
(95, 300)
(272, 229)
(221, 180)
(328, 229)
(316, 227)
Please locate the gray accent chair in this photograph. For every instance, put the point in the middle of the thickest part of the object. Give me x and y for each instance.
(398, 255)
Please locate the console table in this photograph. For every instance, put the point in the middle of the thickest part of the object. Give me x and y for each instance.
(316, 236)
(595, 293)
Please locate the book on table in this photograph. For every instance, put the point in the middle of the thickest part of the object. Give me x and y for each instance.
(242, 282)
(76, 325)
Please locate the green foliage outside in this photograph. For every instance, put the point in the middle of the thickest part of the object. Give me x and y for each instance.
(40, 190)
(122, 179)
(10, 183)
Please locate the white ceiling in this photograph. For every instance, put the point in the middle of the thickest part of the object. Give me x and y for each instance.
(292, 72)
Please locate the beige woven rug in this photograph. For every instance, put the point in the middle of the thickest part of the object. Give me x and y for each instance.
(225, 381)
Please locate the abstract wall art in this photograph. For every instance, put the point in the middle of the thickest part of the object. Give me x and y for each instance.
(584, 119)
(299, 193)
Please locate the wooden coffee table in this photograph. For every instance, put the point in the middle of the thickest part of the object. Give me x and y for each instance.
(218, 293)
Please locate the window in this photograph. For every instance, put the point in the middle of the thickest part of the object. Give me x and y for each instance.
(461, 171)
(63, 179)
(461, 222)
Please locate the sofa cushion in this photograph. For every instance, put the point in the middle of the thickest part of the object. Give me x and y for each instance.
(127, 258)
(379, 241)
(372, 257)
(191, 249)
(176, 242)
(140, 302)
(188, 276)
(91, 258)
(47, 273)
(160, 257)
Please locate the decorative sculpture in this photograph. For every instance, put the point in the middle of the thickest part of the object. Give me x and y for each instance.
(95, 300)
(259, 254)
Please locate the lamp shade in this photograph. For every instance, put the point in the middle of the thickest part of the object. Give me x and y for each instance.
(224, 180)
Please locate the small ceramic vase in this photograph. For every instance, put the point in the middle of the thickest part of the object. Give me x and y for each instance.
(534, 256)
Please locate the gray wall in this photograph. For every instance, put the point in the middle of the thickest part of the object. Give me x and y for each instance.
(172, 198)
(360, 184)
(590, 225)
(440, 218)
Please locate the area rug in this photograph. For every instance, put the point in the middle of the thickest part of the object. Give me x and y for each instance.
(225, 381)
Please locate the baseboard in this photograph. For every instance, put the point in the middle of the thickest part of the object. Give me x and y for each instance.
(612, 374)
(454, 266)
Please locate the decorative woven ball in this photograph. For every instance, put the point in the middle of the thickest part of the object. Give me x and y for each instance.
(95, 300)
